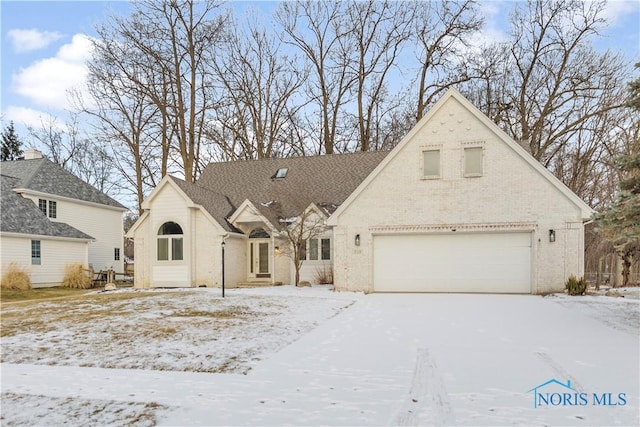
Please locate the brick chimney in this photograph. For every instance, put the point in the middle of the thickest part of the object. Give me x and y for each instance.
(32, 154)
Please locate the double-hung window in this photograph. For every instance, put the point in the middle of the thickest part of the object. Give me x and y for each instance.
(42, 204)
(319, 249)
(53, 209)
(325, 249)
(36, 253)
(313, 249)
(170, 242)
(48, 207)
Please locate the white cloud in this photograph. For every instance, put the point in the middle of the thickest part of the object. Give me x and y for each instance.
(26, 117)
(47, 82)
(28, 40)
(615, 10)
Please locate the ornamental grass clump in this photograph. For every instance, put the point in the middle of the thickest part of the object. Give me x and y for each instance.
(15, 277)
(575, 286)
(75, 277)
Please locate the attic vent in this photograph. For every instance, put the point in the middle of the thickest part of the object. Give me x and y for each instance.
(282, 173)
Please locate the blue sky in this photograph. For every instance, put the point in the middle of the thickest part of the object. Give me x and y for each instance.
(44, 46)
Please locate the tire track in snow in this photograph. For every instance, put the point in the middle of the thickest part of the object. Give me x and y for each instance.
(559, 370)
(427, 394)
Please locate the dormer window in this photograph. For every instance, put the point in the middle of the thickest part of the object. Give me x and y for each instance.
(282, 173)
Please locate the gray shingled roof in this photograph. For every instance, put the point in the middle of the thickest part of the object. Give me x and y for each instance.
(218, 206)
(20, 215)
(47, 177)
(324, 180)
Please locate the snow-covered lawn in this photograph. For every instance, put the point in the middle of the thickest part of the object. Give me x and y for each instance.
(179, 330)
(314, 357)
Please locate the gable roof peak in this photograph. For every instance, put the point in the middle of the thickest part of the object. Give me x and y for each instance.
(44, 176)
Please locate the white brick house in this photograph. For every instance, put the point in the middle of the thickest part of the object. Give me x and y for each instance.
(457, 206)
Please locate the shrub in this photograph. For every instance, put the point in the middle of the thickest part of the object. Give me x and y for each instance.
(75, 277)
(575, 286)
(324, 275)
(15, 277)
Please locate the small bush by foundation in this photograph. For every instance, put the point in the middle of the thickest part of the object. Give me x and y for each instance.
(324, 275)
(75, 277)
(575, 286)
(15, 277)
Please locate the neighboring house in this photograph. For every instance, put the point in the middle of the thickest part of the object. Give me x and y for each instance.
(457, 206)
(51, 218)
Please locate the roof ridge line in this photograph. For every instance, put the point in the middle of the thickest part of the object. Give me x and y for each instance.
(267, 159)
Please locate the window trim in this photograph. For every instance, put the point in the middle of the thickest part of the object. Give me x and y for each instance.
(174, 244)
(53, 209)
(473, 146)
(42, 205)
(311, 253)
(36, 252)
(281, 173)
(423, 151)
(322, 253)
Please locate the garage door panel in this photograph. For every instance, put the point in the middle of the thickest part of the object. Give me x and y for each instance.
(497, 262)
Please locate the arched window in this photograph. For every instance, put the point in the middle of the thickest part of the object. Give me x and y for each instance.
(172, 238)
(259, 233)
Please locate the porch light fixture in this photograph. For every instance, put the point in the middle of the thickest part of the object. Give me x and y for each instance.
(552, 235)
(357, 241)
(222, 244)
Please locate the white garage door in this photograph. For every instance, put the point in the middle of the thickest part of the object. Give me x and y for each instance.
(496, 262)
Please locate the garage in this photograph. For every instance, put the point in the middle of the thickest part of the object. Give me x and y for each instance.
(471, 262)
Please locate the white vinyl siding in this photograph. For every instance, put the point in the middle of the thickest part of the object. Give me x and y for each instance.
(104, 224)
(55, 255)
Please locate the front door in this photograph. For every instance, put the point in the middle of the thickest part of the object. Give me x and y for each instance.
(259, 267)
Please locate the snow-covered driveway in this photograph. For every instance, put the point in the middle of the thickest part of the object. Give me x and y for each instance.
(408, 359)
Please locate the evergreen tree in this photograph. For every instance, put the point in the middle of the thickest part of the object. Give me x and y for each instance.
(11, 144)
(621, 222)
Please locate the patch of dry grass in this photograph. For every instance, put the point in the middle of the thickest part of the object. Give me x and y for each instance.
(191, 330)
(27, 410)
(76, 277)
(15, 277)
(231, 312)
(17, 295)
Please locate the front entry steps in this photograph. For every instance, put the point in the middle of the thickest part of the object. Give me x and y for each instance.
(257, 284)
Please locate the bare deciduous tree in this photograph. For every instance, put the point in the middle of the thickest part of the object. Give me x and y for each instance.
(378, 30)
(298, 230)
(316, 28)
(68, 146)
(258, 86)
(442, 31)
(552, 92)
